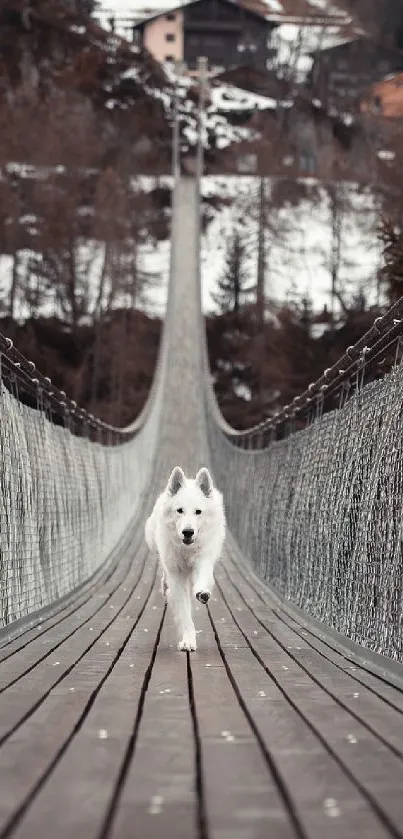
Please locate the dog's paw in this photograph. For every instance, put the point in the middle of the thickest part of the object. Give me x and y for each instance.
(203, 596)
(188, 644)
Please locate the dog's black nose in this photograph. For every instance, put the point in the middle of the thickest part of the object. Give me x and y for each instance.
(187, 534)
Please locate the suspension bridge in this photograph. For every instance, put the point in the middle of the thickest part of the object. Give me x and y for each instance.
(287, 722)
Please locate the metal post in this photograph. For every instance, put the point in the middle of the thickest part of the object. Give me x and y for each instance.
(202, 69)
(202, 64)
(175, 127)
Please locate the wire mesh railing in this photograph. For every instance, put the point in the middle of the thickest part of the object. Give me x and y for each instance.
(70, 485)
(315, 495)
(31, 387)
(369, 359)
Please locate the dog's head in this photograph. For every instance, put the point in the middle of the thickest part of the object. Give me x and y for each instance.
(190, 503)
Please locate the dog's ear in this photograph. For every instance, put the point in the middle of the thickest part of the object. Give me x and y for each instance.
(204, 481)
(176, 480)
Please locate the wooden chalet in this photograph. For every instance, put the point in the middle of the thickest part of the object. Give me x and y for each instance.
(342, 72)
(225, 32)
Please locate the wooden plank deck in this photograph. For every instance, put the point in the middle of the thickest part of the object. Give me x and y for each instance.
(270, 729)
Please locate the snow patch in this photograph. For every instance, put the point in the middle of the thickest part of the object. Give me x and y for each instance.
(227, 97)
(298, 241)
(131, 73)
(386, 154)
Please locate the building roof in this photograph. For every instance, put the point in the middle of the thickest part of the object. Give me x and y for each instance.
(306, 10)
(298, 12)
(169, 10)
(360, 36)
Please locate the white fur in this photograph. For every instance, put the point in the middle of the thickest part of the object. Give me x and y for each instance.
(187, 568)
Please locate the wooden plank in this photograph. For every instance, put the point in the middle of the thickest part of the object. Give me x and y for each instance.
(359, 752)
(113, 569)
(241, 795)
(383, 719)
(385, 677)
(380, 687)
(327, 802)
(43, 675)
(15, 667)
(64, 738)
(159, 794)
(165, 764)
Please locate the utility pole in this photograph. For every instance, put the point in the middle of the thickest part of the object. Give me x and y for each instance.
(336, 220)
(260, 290)
(175, 129)
(202, 63)
(260, 295)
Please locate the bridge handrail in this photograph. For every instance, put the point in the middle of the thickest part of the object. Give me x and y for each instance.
(15, 367)
(381, 335)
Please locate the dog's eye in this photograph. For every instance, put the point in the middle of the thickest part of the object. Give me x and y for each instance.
(198, 512)
(180, 510)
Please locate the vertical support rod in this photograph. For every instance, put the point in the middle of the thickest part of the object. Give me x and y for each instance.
(175, 131)
(202, 72)
(202, 64)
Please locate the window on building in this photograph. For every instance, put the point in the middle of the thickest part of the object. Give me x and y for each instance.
(170, 16)
(170, 36)
(169, 58)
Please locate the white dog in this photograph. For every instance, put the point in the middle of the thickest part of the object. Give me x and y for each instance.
(187, 530)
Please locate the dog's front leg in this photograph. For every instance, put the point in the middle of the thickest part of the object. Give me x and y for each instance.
(179, 601)
(203, 580)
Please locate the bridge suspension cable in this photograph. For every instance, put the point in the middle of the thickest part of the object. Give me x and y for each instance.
(314, 495)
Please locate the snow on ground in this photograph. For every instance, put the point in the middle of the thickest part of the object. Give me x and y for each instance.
(224, 99)
(156, 259)
(228, 97)
(152, 259)
(298, 248)
(298, 243)
(323, 5)
(6, 267)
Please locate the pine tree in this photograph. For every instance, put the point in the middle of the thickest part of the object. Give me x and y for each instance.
(234, 289)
